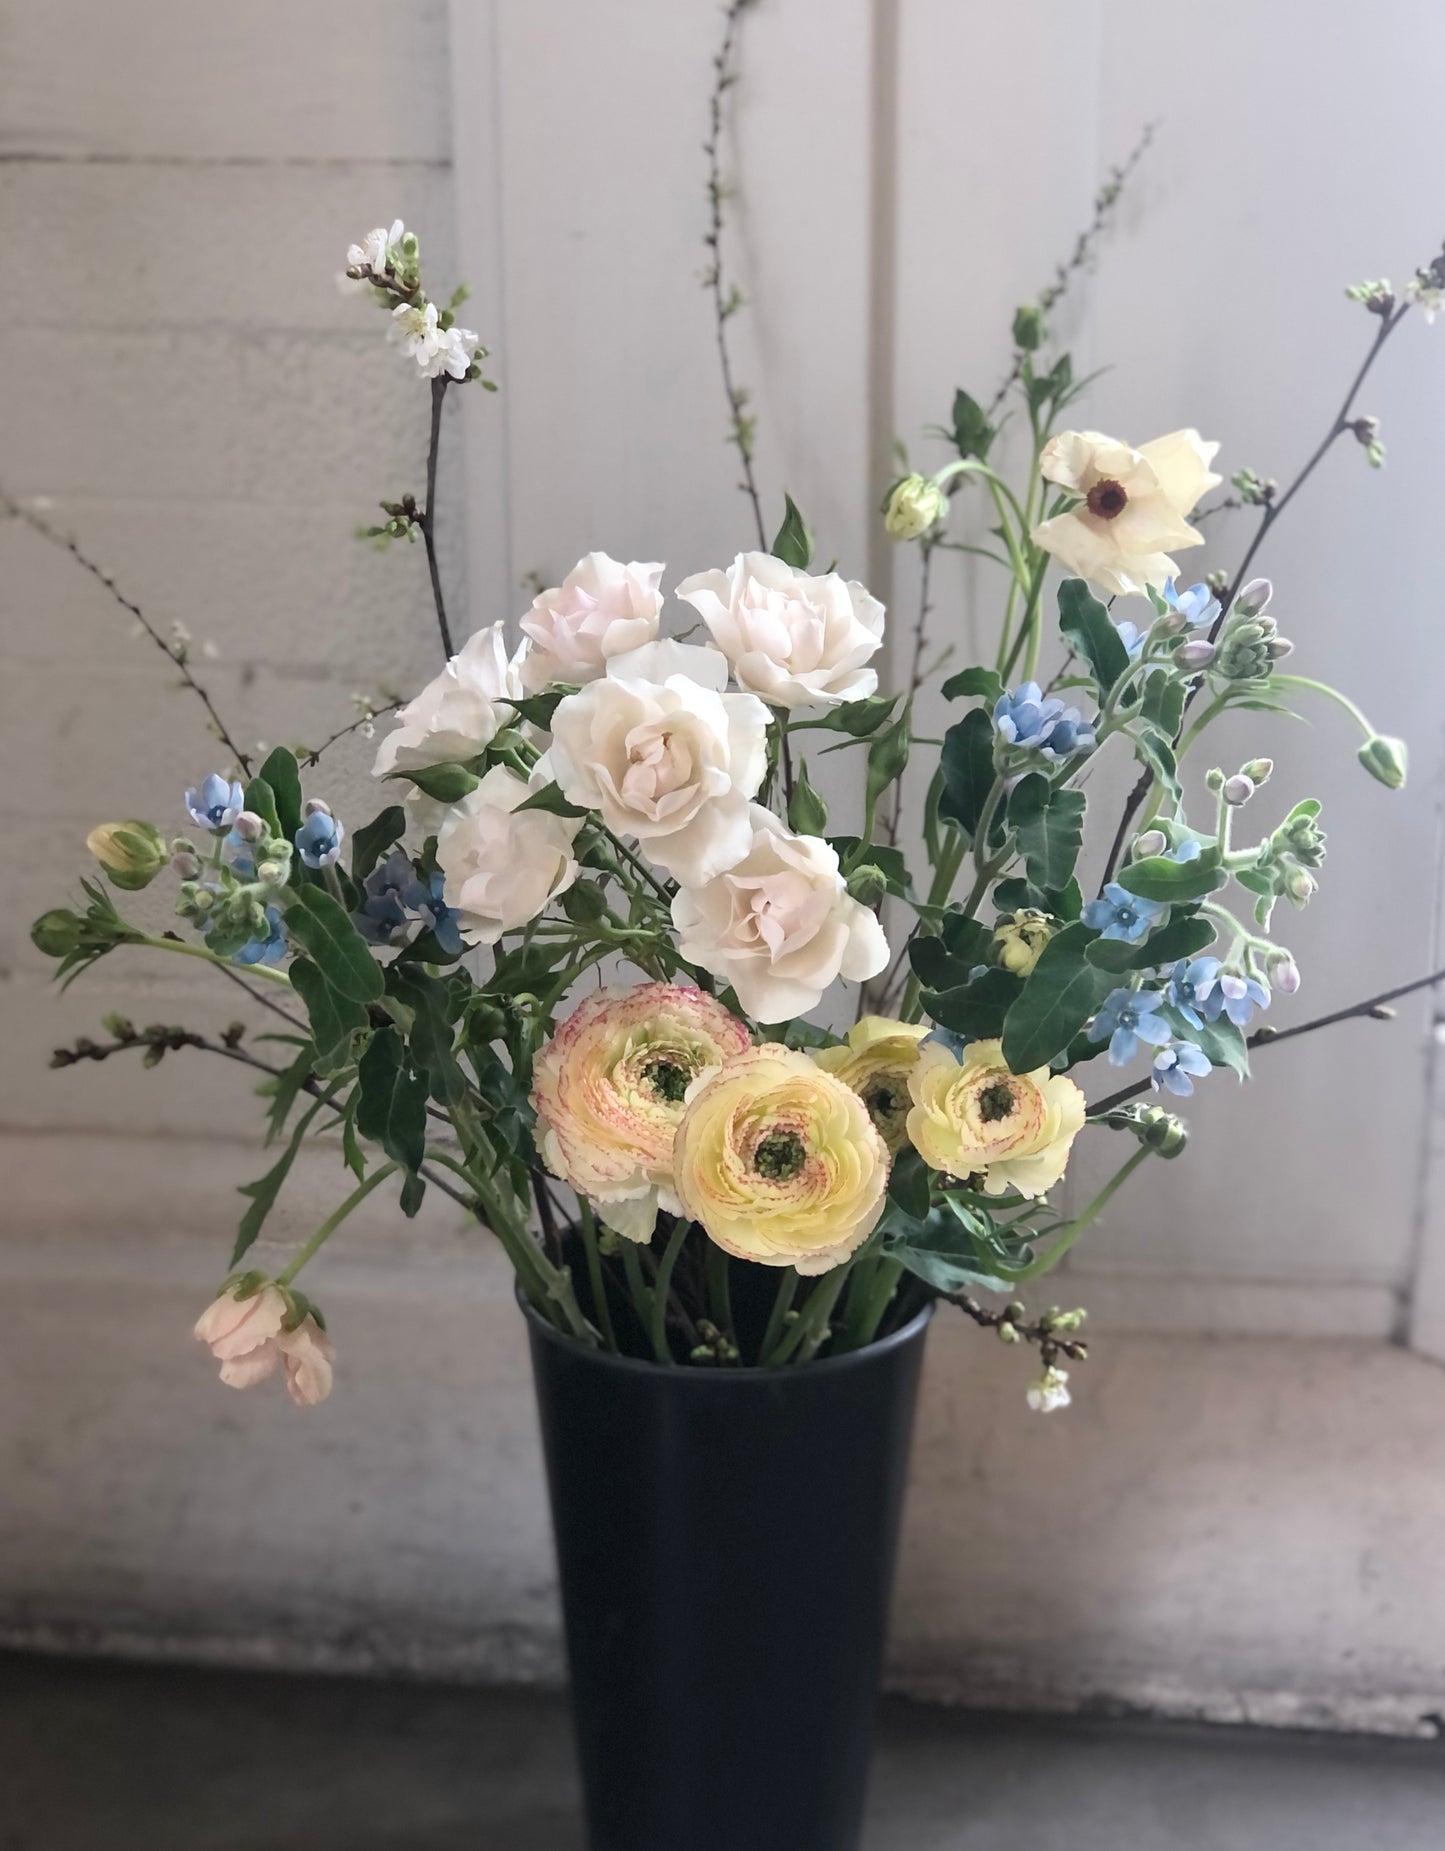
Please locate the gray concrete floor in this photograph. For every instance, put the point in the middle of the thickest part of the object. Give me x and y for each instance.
(107, 1757)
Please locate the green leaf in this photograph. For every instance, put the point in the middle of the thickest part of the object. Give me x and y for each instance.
(285, 1088)
(539, 708)
(432, 1039)
(966, 938)
(1221, 1041)
(978, 1008)
(910, 1184)
(392, 1108)
(1049, 824)
(444, 783)
(1163, 705)
(262, 799)
(1059, 996)
(1184, 936)
(953, 1249)
(334, 1018)
(324, 928)
(264, 1191)
(859, 718)
(1158, 754)
(550, 799)
(1159, 877)
(1090, 633)
(983, 684)
(972, 431)
(351, 1152)
(794, 544)
(283, 776)
(413, 1188)
(369, 844)
(966, 762)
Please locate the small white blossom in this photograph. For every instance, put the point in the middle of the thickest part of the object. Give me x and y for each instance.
(1050, 1392)
(1427, 295)
(435, 349)
(371, 253)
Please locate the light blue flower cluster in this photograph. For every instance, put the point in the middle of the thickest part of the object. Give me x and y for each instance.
(1117, 913)
(1202, 991)
(1177, 1067)
(395, 894)
(319, 839)
(1029, 721)
(270, 949)
(1196, 606)
(215, 803)
(1127, 1018)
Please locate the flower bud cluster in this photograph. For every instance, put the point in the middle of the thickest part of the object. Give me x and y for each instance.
(1250, 643)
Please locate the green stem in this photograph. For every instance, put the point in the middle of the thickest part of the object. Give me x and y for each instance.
(863, 1324)
(310, 1248)
(587, 1223)
(811, 1328)
(1323, 687)
(719, 1291)
(777, 1317)
(637, 1285)
(1197, 726)
(1051, 1257)
(184, 950)
(661, 1288)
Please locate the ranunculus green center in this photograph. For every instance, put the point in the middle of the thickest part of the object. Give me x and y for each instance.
(779, 1156)
(996, 1102)
(668, 1079)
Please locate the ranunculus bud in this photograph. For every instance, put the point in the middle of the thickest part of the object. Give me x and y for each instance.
(1259, 769)
(1191, 657)
(1238, 789)
(132, 854)
(1030, 330)
(1384, 759)
(1283, 972)
(1254, 596)
(1152, 842)
(57, 933)
(248, 827)
(914, 505)
(1019, 940)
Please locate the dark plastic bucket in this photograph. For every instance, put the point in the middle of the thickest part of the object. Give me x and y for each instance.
(725, 1540)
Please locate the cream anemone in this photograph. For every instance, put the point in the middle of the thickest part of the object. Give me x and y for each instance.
(608, 1089)
(972, 1117)
(780, 1162)
(876, 1060)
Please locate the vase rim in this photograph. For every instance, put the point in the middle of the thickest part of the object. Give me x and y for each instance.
(752, 1372)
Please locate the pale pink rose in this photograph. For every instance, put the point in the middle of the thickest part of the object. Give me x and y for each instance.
(248, 1338)
(459, 712)
(601, 609)
(503, 865)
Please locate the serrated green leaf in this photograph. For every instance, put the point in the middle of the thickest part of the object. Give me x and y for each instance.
(392, 1108)
(794, 544)
(859, 718)
(1090, 633)
(1049, 824)
(538, 709)
(371, 842)
(264, 1191)
(1159, 877)
(323, 927)
(1059, 996)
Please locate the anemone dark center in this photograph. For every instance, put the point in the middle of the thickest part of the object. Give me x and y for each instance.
(779, 1156)
(996, 1102)
(1107, 499)
(668, 1079)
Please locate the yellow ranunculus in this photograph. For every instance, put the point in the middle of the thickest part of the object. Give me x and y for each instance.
(780, 1161)
(876, 1060)
(972, 1117)
(609, 1088)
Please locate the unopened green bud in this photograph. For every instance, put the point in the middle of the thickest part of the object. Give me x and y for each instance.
(1007, 1333)
(913, 506)
(57, 933)
(132, 854)
(1237, 790)
(1161, 1131)
(1258, 770)
(1384, 759)
(868, 884)
(1030, 330)
(1214, 780)
(584, 903)
(807, 812)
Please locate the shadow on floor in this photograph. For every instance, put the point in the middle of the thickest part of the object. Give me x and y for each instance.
(108, 1757)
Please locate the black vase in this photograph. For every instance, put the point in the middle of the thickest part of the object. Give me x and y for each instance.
(725, 1540)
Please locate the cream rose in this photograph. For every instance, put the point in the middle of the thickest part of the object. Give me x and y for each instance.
(502, 868)
(1132, 506)
(601, 609)
(780, 1161)
(458, 713)
(608, 1089)
(876, 1060)
(972, 1117)
(792, 638)
(780, 924)
(249, 1337)
(665, 755)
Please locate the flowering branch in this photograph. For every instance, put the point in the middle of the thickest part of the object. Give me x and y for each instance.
(1051, 1332)
(172, 652)
(727, 299)
(358, 725)
(426, 520)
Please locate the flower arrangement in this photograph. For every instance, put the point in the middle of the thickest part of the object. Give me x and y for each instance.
(730, 1085)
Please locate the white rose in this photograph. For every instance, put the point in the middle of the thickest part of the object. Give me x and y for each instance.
(666, 756)
(601, 609)
(790, 637)
(502, 868)
(1132, 508)
(458, 713)
(780, 925)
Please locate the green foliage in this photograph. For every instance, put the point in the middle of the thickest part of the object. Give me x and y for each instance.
(432, 1008)
(370, 843)
(1049, 824)
(264, 1191)
(910, 1184)
(282, 777)
(966, 762)
(983, 684)
(1184, 935)
(322, 926)
(972, 432)
(859, 719)
(1220, 1040)
(1158, 877)
(955, 1248)
(887, 757)
(1089, 631)
(793, 544)
(392, 1108)
(978, 1007)
(807, 812)
(334, 1017)
(551, 800)
(444, 783)
(1059, 996)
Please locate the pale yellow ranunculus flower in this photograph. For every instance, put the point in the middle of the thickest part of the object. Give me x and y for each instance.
(609, 1087)
(972, 1117)
(876, 1060)
(780, 1161)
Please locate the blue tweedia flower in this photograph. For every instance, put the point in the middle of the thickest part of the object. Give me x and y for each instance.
(1127, 1018)
(947, 1038)
(1132, 637)
(1117, 913)
(1177, 1067)
(1236, 997)
(268, 950)
(1032, 723)
(429, 899)
(383, 912)
(1192, 981)
(215, 804)
(1186, 851)
(1196, 606)
(318, 840)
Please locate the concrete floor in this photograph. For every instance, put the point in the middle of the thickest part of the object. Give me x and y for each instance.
(108, 1757)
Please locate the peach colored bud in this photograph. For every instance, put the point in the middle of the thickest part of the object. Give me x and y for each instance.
(248, 1338)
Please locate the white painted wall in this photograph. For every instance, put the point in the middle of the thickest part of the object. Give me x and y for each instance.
(219, 420)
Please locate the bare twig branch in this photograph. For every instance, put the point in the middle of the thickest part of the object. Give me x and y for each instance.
(427, 519)
(1053, 1342)
(345, 732)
